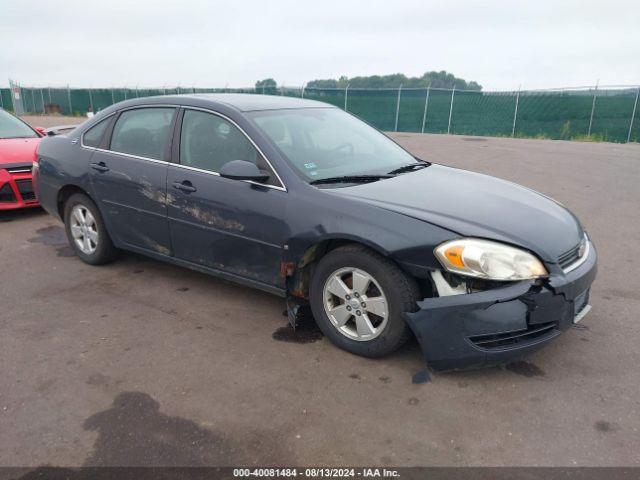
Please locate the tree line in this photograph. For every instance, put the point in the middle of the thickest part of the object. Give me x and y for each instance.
(441, 79)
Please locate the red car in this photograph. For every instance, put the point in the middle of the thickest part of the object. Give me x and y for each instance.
(18, 145)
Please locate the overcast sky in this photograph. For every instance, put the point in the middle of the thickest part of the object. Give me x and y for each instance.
(500, 44)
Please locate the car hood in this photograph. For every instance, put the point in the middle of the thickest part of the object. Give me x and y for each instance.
(18, 150)
(476, 205)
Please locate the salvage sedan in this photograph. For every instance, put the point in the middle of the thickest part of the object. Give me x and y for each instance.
(18, 143)
(303, 200)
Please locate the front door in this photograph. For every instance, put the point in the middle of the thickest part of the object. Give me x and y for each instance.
(228, 225)
(129, 178)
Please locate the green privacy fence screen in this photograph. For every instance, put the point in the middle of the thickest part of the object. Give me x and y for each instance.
(596, 113)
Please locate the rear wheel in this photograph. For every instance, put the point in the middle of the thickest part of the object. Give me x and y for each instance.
(86, 231)
(358, 298)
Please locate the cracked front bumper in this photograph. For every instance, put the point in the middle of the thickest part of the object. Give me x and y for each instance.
(503, 324)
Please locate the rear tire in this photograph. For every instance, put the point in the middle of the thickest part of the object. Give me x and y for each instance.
(358, 298)
(86, 231)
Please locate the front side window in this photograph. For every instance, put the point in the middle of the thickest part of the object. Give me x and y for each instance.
(327, 142)
(12, 127)
(208, 142)
(93, 136)
(143, 132)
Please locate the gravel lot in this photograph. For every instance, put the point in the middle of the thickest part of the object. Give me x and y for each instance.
(142, 363)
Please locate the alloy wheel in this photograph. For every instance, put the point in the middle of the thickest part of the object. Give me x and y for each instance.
(355, 304)
(84, 229)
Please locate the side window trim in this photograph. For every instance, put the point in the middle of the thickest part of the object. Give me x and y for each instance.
(167, 148)
(177, 139)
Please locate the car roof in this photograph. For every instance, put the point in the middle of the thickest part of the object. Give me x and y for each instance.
(242, 102)
(247, 102)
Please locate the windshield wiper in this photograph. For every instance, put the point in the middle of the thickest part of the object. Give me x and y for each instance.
(350, 179)
(408, 168)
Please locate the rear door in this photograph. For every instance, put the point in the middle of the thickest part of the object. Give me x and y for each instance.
(129, 177)
(230, 225)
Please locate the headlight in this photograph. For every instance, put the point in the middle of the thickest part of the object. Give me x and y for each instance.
(490, 260)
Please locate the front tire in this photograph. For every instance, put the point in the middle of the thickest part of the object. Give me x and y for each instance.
(86, 231)
(358, 299)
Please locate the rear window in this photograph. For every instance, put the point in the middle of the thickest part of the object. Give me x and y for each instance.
(143, 132)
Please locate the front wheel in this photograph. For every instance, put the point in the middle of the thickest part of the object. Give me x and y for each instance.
(358, 298)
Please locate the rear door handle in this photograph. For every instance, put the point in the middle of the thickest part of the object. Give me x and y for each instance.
(185, 186)
(101, 167)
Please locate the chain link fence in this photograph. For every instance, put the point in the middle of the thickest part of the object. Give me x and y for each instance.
(589, 113)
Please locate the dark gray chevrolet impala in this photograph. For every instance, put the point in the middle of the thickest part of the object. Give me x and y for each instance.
(303, 200)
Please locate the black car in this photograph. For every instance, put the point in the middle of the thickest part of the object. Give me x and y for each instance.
(303, 200)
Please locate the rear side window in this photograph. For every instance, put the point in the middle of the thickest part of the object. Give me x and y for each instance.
(143, 132)
(93, 136)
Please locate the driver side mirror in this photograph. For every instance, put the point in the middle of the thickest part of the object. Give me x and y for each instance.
(243, 170)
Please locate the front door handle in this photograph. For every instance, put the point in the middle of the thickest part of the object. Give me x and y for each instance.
(101, 167)
(185, 186)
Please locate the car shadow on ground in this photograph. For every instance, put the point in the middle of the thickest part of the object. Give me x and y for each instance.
(21, 214)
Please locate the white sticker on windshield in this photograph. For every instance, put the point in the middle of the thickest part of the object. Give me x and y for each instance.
(310, 165)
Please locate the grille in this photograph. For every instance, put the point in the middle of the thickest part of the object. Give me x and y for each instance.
(566, 259)
(20, 169)
(25, 187)
(6, 194)
(510, 339)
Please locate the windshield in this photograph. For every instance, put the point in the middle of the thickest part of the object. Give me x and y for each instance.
(11, 127)
(327, 142)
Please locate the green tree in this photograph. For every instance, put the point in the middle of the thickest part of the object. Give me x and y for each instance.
(440, 79)
(268, 85)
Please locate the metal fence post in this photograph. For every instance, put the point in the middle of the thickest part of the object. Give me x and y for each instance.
(346, 95)
(113, 98)
(302, 93)
(635, 106)
(17, 97)
(453, 92)
(593, 107)
(398, 106)
(426, 106)
(69, 98)
(91, 101)
(49, 89)
(1, 99)
(515, 113)
(42, 100)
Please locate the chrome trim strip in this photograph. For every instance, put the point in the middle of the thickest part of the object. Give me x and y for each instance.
(582, 259)
(128, 155)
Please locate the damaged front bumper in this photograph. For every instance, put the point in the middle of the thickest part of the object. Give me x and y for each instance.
(500, 325)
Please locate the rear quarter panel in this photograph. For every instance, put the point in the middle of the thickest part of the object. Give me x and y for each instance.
(61, 162)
